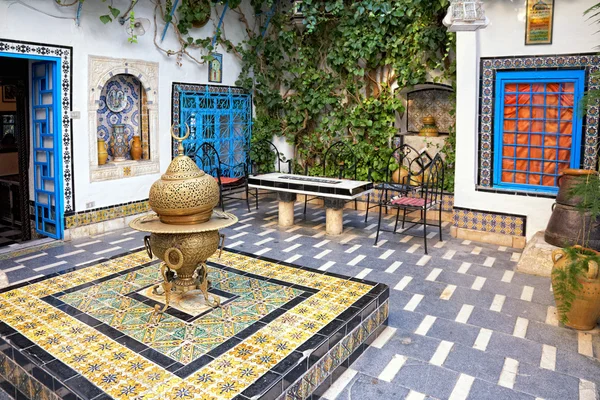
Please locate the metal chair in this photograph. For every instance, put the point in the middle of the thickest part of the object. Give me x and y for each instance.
(232, 179)
(273, 161)
(428, 195)
(339, 161)
(266, 158)
(403, 158)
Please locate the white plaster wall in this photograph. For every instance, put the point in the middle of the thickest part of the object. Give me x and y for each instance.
(94, 38)
(505, 36)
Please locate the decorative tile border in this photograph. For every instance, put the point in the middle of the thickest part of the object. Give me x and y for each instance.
(106, 213)
(485, 221)
(489, 66)
(18, 383)
(340, 356)
(66, 58)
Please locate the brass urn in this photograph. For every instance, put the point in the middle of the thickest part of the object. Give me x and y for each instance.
(429, 128)
(185, 231)
(184, 195)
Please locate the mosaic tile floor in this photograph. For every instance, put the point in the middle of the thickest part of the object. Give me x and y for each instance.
(463, 324)
(90, 332)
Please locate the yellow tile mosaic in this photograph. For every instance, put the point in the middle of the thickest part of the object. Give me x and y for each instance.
(489, 222)
(105, 214)
(108, 333)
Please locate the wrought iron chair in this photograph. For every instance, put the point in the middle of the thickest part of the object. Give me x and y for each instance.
(273, 161)
(232, 179)
(428, 195)
(401, 171)
(266, 158)
(339, 161)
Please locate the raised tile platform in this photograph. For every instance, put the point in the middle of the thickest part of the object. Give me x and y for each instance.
(283, 331)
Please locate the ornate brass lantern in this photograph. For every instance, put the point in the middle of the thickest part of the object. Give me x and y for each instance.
(184, 232)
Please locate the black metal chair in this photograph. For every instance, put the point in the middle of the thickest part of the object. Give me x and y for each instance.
(401, 170)
(266, 158)
(428, 195)
(232, 179)
(339, 161)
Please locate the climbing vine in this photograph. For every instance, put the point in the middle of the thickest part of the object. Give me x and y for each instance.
(322, 71)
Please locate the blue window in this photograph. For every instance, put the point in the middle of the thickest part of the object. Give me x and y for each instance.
(537, 129)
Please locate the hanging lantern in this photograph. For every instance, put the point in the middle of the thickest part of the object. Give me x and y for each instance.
(298, 16)
(465, 16)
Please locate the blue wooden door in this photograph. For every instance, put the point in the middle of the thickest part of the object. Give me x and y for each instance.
(46, 148)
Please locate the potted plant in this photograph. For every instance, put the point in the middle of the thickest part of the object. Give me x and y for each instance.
(575, 280)
(193, 14)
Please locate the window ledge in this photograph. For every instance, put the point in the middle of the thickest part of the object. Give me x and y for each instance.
(123, 169)
(515, 192)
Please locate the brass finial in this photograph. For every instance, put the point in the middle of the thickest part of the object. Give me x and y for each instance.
(180, 149)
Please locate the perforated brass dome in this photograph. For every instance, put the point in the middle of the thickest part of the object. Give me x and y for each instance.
(184, 194)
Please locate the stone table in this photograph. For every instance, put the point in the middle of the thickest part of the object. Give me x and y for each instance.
(334, 192)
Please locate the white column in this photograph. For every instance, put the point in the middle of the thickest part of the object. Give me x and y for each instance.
(467, 104)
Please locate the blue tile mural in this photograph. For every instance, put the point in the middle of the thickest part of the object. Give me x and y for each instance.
(129, 116)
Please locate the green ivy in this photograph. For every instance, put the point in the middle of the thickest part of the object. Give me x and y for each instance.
(334, 80)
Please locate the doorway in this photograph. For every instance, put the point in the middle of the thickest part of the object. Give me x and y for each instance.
(30, 149)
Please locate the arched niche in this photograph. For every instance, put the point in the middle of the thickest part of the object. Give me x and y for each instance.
(103, 70)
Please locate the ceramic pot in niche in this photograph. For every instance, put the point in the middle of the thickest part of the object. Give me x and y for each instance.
(102, 154)
(136, 148)
(118, 143)
(429, 128)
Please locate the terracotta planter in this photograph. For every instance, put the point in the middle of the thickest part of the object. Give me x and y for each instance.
(401, 176)
(566, 182)
(136, 148)
(585, 309)
(102, 153)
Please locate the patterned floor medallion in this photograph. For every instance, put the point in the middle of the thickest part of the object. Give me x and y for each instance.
(92, 332)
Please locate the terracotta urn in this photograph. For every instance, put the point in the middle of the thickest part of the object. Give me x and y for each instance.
(184, 194)
(429, 128)
(118, 143)
(102, 153)
(136, 148)
(585, 309)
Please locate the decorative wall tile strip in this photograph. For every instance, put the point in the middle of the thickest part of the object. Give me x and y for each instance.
(489, 67)
(351, 346)
(66, 60)
(489, 222)
(20, 380)
(105, 214)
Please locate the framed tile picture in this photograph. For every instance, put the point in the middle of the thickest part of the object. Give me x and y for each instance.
(539, 21)
(9, 94)
(215, 68)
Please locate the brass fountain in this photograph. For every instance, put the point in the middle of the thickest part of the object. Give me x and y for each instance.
(184, 232)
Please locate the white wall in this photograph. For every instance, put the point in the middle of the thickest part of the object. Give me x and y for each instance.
(505, 36)
(94, 38)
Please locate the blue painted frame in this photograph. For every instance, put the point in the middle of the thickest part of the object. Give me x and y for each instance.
(555, 76)
(203, 109)
(41, 220)
(57, 139)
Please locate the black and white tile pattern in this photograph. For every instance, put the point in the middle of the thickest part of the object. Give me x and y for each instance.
(462, 323)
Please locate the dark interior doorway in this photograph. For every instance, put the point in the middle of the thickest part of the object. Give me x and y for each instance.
(15, 224)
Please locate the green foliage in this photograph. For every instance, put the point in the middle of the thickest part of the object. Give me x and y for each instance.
(334, 80)
(565, 281)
